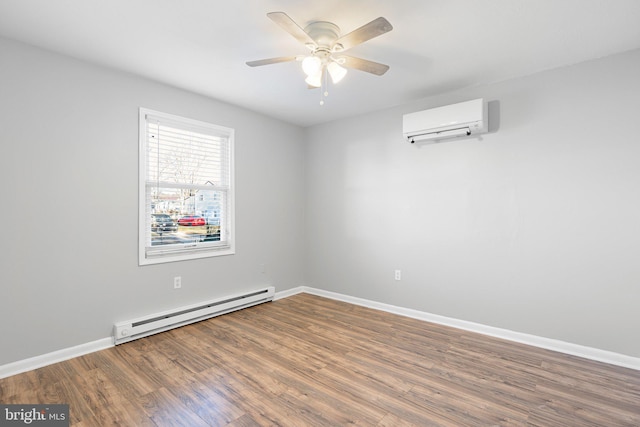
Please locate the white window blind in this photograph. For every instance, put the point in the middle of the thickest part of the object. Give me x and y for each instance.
(186, 188)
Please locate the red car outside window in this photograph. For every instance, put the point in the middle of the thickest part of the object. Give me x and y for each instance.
(192, 220)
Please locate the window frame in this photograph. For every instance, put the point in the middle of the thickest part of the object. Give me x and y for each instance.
(186, 253)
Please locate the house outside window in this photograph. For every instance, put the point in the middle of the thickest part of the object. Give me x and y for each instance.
(186, 206)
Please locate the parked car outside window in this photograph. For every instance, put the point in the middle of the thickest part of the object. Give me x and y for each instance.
(192, 220)
(162, 222)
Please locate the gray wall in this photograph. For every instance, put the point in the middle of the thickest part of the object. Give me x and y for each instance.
(69, 171)
(534, 228)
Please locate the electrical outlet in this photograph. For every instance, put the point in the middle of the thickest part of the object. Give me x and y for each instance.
(177, 282)
(398, 274)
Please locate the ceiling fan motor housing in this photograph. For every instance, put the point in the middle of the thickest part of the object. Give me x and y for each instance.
(324, 34)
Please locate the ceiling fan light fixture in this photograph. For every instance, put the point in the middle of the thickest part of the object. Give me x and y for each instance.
(311, 65)
(323, 39)
(336, 72)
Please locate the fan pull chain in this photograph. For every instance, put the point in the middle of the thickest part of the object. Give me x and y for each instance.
(323, 89)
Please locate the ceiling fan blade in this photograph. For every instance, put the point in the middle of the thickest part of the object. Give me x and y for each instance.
(270, 61)
(289, 25)
(363, 65)
(366, 32)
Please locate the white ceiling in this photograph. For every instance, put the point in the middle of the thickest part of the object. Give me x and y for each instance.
(435, 46)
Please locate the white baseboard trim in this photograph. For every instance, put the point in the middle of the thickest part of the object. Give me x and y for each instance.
(536, 341)
(519, 337)
(54, 357)
(289, 292)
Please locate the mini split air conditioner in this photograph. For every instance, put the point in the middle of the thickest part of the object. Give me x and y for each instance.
(462, 119)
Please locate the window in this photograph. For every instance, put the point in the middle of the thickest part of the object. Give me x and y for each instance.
(185, 189)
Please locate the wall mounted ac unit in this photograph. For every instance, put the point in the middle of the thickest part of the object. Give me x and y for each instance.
(462, 119)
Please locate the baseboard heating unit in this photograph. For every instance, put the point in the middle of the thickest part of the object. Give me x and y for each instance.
(160, 322)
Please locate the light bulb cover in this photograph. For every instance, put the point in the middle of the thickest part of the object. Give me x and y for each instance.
(311, 65)
(336, 72)
(315, 80)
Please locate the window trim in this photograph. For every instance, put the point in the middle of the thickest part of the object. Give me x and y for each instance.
(195, 253)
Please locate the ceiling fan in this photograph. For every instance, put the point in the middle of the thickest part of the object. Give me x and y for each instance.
(326, 46)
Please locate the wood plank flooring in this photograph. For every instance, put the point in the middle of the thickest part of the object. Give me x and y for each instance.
(311, 361)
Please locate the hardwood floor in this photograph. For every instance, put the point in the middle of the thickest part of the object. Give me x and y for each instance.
(311, 361)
